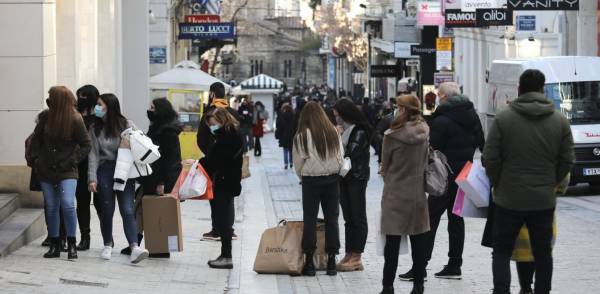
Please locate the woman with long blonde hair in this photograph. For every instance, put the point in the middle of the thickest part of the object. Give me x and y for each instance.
(60, 141)
(318, 157)
(404, 210)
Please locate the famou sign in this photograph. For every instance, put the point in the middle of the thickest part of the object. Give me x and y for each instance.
(494, 17)
(543, 4)
(455, 18)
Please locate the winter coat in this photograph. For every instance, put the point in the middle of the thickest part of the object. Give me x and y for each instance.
(310, 164)
(57, 159)
(404, 209)
(456, 131)
(204, 138)
(286, 129)
(528, 153)
(223, 163)
(246, 114)
(88, 120)
(167, 168)
(358, 150)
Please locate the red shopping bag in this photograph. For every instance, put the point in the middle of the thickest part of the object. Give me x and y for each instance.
(464, 173)
(208, 194)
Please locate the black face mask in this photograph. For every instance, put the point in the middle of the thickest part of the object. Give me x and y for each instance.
(48, 102)
(81, 104)
(151, 115)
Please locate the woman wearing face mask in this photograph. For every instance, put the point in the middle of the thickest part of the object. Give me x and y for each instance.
(261, 115)
(404, 210)
(223, 163)
(356, 138)
(59, 143)
(86, 101)
(106, 139)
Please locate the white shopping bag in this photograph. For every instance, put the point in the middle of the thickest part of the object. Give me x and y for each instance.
(194, 185)
(476, 185)
(380, 240)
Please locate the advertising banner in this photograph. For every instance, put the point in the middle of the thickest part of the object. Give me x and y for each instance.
(543, 4)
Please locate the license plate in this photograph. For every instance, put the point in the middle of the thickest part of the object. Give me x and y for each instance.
(591, 171)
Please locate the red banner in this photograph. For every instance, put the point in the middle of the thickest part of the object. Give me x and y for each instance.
(202, 18)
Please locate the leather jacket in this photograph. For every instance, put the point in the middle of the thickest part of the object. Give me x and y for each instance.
(358, 151)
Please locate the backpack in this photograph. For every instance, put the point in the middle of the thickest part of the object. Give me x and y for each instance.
(436, 173)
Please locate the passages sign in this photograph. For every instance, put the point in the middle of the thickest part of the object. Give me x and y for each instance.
(494, 17)
(543, 4)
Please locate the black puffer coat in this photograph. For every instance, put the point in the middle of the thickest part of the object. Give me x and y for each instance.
(358, 151)
(223, 163)
(456, 131)
(286, 129)
(166, 169)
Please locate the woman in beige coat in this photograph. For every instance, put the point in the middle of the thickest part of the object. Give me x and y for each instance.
(404, 203)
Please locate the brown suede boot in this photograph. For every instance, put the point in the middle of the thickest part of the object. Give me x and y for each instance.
(353, 264)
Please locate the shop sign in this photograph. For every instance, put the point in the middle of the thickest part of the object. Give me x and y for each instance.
(402, 50)
(442, 77)
(525, 22)
(158, 55)
(413, 63)
(443, 44)
(494, 17)
(202, 18)
(385, 71)
(473, 5)
(203, 31)
(429, 13)
(421, 51)
(543, 4)
(455, 18)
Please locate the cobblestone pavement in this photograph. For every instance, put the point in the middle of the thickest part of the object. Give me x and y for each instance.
(271, 194)
(576, 253)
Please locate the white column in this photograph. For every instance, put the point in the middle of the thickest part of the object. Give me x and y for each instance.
(587, 29)
(107, 40)
(132, 60)
(28, 63)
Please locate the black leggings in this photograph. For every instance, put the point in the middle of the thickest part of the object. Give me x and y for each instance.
(257, 147)
(525, 270)
(391, 252)
(223, 211)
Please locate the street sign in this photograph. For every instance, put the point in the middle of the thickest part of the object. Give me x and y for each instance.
(413, 63)
(203, 31)
(543, 5)
(455, 18)
(385, 71)
(525, 22)
(402, 49)
(202, 18)
(158, 55)
(443, 44)
(421, 51)
(494, 17)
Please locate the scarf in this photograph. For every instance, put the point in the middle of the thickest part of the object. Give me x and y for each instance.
(220, 103)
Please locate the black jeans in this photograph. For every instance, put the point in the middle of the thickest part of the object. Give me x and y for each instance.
(214, 216)
(525, 270)
(456, 225)
(326, 191)
(507, 224)
(84, 198)
(224, 221)
(257, 147)
(391, 252)
(354, 208)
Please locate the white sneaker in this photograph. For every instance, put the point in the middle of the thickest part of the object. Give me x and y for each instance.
(138, 254)
(106, 252)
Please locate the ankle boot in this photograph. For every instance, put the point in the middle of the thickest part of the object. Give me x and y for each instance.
(84, 244)
(72, 247)
(387, 290)
(418, 288)
(54, 250)
(47, 241)
(63, 244)
(331, 270)
(309, 266)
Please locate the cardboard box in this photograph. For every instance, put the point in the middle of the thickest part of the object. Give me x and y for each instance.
(162, 224)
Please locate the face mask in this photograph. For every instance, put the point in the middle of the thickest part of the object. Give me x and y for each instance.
(81, 104)
(339, 121)
(48, 102)
(151, 115)
(98, 112)
(214, 128)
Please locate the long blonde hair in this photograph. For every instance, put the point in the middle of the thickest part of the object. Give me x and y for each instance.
(324, 136)
(412, 111)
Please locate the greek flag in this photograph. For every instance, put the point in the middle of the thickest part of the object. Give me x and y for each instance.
(207, 6)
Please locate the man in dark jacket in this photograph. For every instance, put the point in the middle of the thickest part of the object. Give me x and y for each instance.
(525, 167)
(205, 140)
(246, 117)
(455, 131)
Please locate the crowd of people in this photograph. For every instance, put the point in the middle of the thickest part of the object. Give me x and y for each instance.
(75, 147)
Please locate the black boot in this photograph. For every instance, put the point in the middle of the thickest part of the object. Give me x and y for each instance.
(54, 251)
(387, 290)
(72, 247)
(84, 244)
(331, 267)
(309, 266)
(47, 241)
(63, 244)
(418, 288)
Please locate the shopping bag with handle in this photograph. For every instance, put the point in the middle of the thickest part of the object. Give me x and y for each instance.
(464, 207)
(475, 184)
(280, 249)
(193, 183)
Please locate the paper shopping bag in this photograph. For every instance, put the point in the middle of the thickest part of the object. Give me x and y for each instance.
(464, 207)
(280, 250)
(476, 184)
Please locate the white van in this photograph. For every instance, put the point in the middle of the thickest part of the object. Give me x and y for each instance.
(573, 83)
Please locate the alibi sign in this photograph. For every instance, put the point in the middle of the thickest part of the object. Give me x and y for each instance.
(494, 17)
(543, 4)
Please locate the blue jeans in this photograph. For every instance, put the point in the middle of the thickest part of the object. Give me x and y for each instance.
(60, 196)
(106, 195)
(287, 157)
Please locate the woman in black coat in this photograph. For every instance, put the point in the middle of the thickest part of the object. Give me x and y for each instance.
(356, 138)
(223, 163)
(286, 129)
